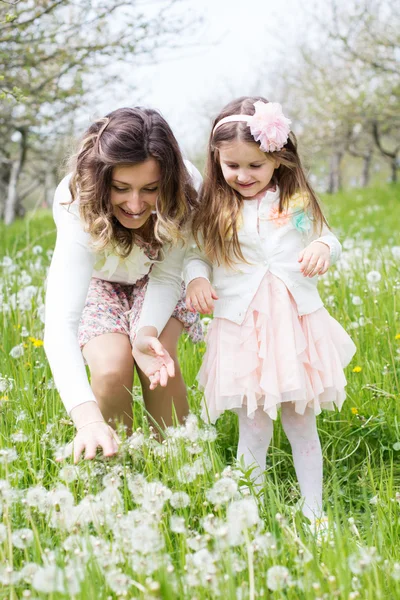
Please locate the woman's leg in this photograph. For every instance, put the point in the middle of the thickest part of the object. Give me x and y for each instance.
(111, 365)
(301, 431)
(160, 402)
(254, 439)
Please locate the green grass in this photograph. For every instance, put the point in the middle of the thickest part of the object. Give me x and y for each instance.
(361, 447)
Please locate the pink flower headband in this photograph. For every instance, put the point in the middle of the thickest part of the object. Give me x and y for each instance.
(268, 125)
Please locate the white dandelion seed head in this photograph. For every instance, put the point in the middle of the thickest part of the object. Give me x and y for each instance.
(22, 538)
(374, 277)
(136, 441)
(17, 351)
(48, 580)
(8, 576)
(278, 578)
(28, 571)
(177, 524)
(179, 500)
(118, 581)
(241, 514)
(6, 384)
(146, 540)
(111, 480)
(60, 497)
(36, 497)
(186, 474)
(395, 250)
(19, 437)
(208, 434)
(224, 490)
(69, 473)
(8, 455)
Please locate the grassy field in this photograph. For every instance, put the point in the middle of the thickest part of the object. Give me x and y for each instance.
(177, 520)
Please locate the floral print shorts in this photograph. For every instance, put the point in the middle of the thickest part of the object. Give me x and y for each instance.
(115, 308)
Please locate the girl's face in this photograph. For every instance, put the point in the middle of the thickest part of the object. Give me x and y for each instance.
(134, 191)
(246, 168)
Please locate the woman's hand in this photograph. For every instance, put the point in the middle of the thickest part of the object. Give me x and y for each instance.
(152, 358)
(90, 437)
(92, 433)
(314, 259)
(200, 296)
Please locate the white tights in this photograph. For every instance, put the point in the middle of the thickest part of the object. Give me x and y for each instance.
(301, 430)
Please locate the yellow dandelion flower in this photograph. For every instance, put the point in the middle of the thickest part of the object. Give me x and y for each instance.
(357, 369)
(36, 342)
(354, 410)
(397, 336)
(3, 398)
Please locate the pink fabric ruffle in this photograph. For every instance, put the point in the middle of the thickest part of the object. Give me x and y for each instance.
(275, 356)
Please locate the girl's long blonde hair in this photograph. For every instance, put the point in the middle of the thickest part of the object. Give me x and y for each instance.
(215, 222)
(129, 136)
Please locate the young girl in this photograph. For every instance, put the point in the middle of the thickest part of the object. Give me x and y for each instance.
(264, 241)
(116, 273)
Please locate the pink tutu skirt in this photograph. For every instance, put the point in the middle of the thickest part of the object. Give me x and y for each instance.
(275, 356)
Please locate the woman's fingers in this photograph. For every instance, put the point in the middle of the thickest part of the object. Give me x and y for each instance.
(109, 446)
(79, 447)
(154, 380)
(90, 449)
(163, 376)
(157, 346)
(66, 452)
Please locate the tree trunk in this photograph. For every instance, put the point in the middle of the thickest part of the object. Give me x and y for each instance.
(394, 169)
(335, 176)
(12, 207)
(50, 187)
(366, 169)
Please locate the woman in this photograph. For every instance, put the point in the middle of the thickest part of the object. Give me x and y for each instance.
(116, 276)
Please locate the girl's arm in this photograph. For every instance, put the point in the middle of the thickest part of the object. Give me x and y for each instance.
(200, 294)
(321, 252)
(329, 238)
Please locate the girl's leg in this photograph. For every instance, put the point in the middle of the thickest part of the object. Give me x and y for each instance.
(301, 431)
(160, 402)
(110, 361)
(254, 438)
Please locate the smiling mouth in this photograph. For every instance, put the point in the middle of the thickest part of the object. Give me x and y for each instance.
(131, 215)
(246, 184)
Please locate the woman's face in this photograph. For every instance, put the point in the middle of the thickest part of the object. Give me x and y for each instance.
(134, 191)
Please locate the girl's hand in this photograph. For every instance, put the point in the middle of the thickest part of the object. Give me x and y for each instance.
(200, 296)
(152, 359)
(90, 437)
(314, 259)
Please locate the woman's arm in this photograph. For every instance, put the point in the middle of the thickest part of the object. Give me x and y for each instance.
(67, 286)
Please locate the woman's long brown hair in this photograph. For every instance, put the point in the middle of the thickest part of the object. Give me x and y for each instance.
(129, 136)
(215, 222)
